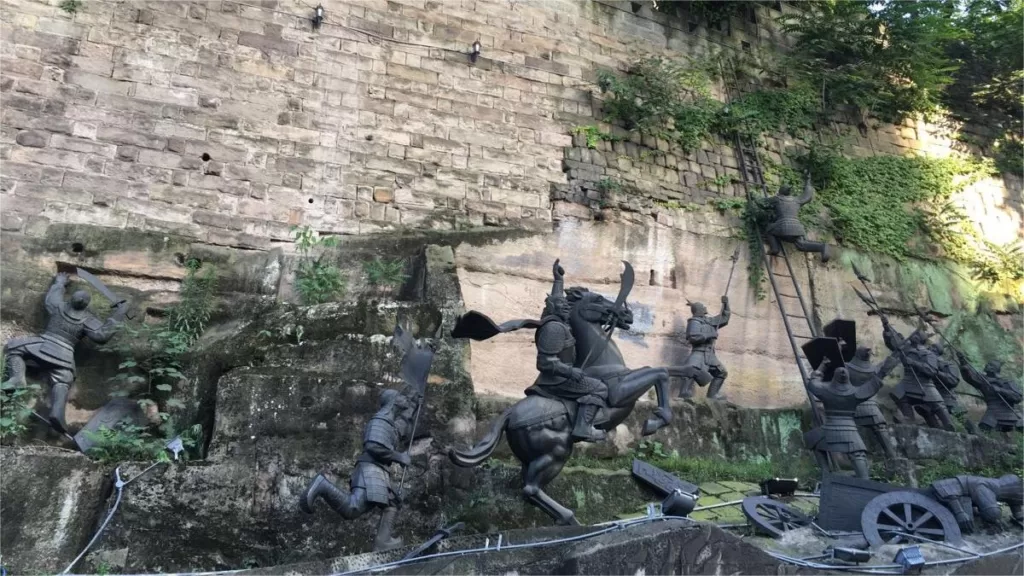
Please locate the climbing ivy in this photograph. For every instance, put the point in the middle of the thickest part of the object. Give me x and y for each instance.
(891, 204)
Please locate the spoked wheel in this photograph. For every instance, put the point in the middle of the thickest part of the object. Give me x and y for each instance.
(771, 517)
(889, 516)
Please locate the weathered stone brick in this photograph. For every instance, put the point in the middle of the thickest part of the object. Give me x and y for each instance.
(122, 136)
(384, 195)
(414, 74)
(217, 220)
(33, 138)
(82, 145)
(265, 42)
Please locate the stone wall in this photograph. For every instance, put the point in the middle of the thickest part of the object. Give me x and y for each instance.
(231, 121)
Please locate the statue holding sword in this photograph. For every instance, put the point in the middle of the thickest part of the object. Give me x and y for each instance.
(53, 351)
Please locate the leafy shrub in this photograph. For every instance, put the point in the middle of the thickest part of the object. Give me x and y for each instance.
(127, 442)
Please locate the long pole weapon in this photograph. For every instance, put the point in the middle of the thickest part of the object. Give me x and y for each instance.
(872, 303)
(960, 354)
(735, 257)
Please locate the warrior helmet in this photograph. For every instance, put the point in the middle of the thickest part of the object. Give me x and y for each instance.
(698, 308)
(80, 300)
(841, 375)
(862, 353)
(785, 190)
(993, 367)
(1011, 489)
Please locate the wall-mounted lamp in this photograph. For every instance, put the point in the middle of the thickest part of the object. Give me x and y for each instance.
(318, 16)
(475, 53)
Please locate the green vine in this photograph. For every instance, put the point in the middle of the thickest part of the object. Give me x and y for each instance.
(593, 135)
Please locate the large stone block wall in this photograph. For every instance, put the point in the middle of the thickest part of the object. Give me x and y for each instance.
(231, 121)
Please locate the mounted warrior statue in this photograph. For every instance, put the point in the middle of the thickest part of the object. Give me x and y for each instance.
(54, 350)
(1001, 395)
(582, 375)
(786, 225)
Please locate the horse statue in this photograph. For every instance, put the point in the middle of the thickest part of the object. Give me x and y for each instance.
(539, 428)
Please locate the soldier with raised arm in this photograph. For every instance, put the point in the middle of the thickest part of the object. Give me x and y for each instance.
(786, 225)
(556, 354)
(916, 391)
(54, 350)
(702, 334)
(1001, 395)
(868, 414)
(840, 399)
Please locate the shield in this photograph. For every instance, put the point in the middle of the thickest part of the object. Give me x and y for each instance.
(846, 332)
(662, 481)
(113, 412)
(820, 348)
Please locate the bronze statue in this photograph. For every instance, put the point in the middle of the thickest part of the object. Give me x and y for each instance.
(840, 399)
(540, 426)
(965, 493)
(916, 391)
(394, 424)
(1001, 395)
(558, 378)
(54, 350)
(702, 333)
(786, 225)
(947, 377)
(868, 414)
(370, 484)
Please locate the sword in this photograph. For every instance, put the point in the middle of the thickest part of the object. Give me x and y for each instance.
(100, 287)
(625, 286)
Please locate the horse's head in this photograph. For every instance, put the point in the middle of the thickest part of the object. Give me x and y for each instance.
(592, 308)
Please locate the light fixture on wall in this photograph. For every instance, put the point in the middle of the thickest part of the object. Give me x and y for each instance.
(475, 53)
(318, 16)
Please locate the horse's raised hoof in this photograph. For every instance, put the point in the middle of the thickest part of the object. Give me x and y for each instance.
(653, 424)
(569, 521)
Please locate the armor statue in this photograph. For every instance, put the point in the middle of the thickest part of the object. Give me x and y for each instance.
(965, 493)
(840, 399)
(1001, 395)
(556, 353)
(916, 391)
(868, 414)
(786, 225)
(702, 333)
(948, 378)
(370, 484)
(54, 350)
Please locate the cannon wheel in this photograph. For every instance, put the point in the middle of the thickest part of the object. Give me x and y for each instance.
(889, 514)
(771, 517)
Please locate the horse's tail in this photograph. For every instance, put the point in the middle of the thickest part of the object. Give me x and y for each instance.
(485, 447)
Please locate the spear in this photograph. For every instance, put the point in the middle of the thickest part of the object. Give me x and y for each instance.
(873, 303)
(960, 354)
(735, 258)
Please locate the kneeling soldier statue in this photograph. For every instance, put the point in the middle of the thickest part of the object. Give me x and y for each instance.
(54, 350)
(370, 484)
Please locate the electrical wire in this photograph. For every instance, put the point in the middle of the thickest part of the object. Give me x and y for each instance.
(119, 484)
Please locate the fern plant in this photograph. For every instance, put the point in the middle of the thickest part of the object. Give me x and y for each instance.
(383, 273)
(316, 280)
